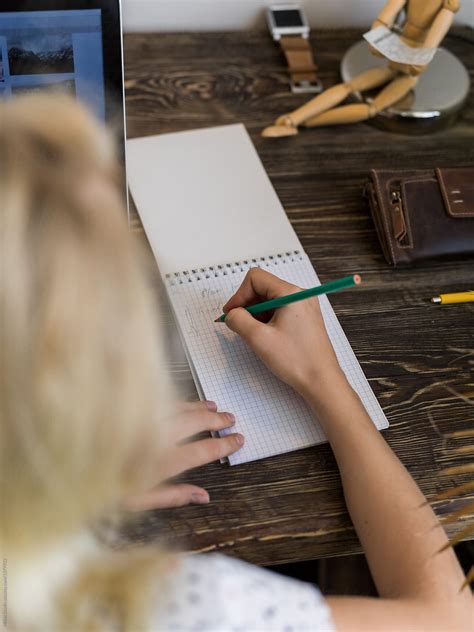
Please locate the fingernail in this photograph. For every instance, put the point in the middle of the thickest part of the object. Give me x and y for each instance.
(231, 418)
(211, 406)
(199, 499)
(239, 439)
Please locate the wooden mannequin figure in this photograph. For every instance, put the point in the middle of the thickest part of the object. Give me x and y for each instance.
(426, 24)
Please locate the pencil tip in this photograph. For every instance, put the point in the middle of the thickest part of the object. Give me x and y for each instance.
(217, 320)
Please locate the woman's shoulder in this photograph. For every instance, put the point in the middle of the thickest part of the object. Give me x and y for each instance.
(216, 592)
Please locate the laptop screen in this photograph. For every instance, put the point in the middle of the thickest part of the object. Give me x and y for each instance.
(69, 45)
(53, 49)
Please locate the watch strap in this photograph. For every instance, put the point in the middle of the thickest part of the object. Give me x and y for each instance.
(301, 65)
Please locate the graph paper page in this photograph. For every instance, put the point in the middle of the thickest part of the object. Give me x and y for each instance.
(272, 417)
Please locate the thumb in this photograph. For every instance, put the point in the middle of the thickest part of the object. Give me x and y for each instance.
(244, 324)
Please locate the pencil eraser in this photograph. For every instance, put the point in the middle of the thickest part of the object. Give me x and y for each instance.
(357, 279)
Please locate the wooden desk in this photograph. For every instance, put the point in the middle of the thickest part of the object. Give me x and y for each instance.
(418, 358)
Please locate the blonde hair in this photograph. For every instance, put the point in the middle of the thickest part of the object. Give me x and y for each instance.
(82, 395)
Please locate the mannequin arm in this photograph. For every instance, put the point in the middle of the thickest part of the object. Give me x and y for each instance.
(439, 28)
(387, 16)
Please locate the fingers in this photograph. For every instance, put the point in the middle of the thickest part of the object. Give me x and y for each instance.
(184, 407)
(165, 496)
(248, 327)
(258, 285)
(200, 419)
(196, 453)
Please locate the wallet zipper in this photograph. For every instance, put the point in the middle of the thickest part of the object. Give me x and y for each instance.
(399, 225)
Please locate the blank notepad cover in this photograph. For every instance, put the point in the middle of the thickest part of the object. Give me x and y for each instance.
(210, 214)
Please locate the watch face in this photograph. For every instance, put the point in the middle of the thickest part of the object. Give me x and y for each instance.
(287, 18)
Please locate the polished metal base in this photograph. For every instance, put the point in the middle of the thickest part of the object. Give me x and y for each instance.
(433, 103)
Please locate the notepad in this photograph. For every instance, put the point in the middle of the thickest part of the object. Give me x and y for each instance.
(210, 214)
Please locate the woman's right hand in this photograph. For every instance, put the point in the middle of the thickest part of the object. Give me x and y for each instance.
(294, 343)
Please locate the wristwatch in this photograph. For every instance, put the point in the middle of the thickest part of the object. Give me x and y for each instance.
(288, 25)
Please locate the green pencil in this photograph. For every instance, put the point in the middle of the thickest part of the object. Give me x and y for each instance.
(275, 303)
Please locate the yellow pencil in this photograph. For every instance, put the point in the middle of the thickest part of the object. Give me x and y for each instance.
(455, 297)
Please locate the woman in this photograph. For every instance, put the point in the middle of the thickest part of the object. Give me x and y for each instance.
(89, 424)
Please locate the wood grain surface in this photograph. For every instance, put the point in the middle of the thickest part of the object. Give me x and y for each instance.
(419, 358)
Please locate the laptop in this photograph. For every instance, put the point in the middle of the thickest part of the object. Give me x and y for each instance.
(72, 45)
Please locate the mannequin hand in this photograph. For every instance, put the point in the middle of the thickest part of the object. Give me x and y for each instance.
(293, 343)
(408, 69)
(376, 23)
(193, 418)
(375, 52)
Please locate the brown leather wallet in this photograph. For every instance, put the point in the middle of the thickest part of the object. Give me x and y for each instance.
(423, 214)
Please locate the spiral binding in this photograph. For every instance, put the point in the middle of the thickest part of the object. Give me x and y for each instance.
(201, 274)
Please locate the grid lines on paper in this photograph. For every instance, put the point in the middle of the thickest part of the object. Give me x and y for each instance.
(272, 417)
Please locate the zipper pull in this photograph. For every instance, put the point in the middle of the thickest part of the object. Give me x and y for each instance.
(398, 219)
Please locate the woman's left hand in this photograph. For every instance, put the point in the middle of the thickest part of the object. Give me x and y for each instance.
(192, 418)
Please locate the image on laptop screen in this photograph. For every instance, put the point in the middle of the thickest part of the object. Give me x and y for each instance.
(53, 50)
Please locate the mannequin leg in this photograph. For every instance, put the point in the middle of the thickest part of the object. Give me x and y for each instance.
(286, 125)
(357, 112)
(353, 113)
